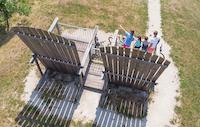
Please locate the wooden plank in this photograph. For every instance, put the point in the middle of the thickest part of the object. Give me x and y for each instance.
(147, 56)
(112, 59)
(146, 74)
(27, 42)
(45, 44)
(63, 52)
(136, 72)
(140, 68)
(130, 78)
(37, 41)
(120, 63)
(26, 39)
(115, 71)
(126, 64)
(75, 54)
(49, 53)
(156, 67)
(153, 70)
(48, 37)
(141, 55)
(63, 67)
(53, 25)
(34, 32)
(123, 65)
(109, 63)
(71, 53)
(157, 75)
(102, 50)
(26, 31)
(47, 64)
(60, 47)
(133, 65)
(68, 54)
(135, 53)
(143, 69)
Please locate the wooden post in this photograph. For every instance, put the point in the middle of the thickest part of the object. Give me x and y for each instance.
(53, 25)
(38, 66)
(58, 28)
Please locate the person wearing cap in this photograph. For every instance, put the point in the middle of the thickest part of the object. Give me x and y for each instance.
(153, 42)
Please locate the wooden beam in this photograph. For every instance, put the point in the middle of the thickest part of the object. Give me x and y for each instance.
(136, 60)
(37, 64)
(146, 81)
(86, 57)
(53, 25)
(58, 61)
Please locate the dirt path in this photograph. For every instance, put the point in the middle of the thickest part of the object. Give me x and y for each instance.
(31, 81)
(161, 110)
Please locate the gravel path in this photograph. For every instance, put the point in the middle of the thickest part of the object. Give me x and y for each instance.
(31, 82)
(161, 110)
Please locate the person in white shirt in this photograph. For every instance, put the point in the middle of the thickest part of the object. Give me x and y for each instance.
(153, 43)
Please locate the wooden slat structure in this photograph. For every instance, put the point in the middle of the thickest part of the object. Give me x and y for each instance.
(130, 74)
(54, 52)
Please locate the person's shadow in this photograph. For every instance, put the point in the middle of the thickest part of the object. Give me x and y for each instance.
(52, 103)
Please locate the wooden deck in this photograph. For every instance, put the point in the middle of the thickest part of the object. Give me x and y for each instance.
(94, 77)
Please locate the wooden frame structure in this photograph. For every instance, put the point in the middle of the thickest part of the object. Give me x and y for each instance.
(130, 75)
(62, 54)
(66, 61)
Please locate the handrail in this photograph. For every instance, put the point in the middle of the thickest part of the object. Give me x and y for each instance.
(53, 25)
(87, 52)
(68, 25)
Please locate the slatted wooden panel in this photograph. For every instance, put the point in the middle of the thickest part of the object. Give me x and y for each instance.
(54, 51)
(132, 67)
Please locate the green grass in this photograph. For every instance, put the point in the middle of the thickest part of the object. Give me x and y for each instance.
(80, 124)
(14, 67)
(14, 55)
(107, 14)
(181, 25)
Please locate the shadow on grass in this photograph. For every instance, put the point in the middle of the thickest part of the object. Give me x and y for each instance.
(5, 37)
(52, 103)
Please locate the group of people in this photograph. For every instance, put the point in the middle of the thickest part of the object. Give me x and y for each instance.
(146, 44)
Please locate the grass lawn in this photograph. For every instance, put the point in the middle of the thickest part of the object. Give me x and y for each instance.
(181, 25)
(14, 55)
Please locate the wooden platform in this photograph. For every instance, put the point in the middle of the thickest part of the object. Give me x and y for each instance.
(94, 77)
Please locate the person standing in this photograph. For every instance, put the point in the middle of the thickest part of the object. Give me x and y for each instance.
(145, 44)
(129, 38)
(154, 42)
(138, 42)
